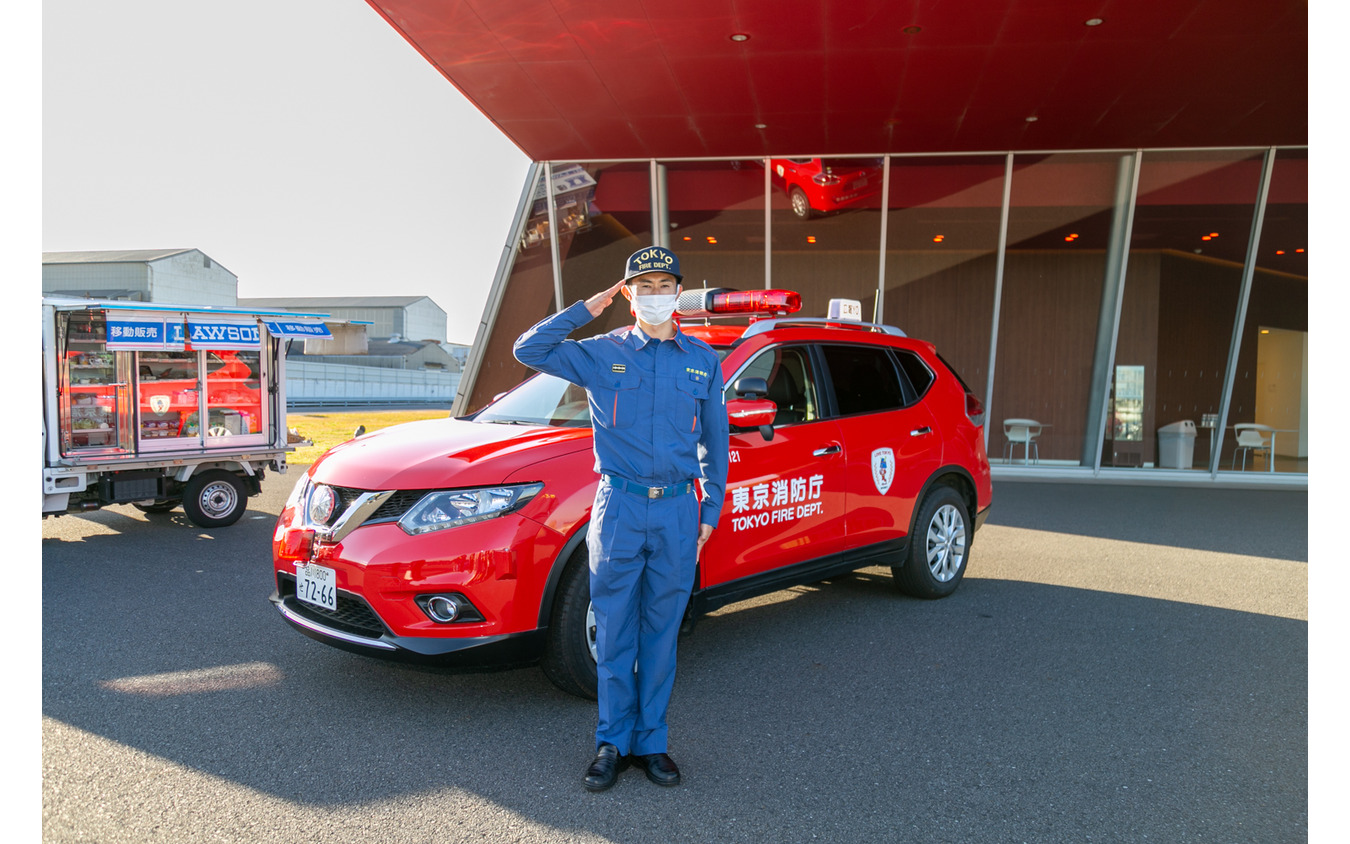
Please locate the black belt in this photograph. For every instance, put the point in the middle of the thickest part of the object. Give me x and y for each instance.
(680, 488)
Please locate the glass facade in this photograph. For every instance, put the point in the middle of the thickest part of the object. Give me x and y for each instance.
(1118, 311)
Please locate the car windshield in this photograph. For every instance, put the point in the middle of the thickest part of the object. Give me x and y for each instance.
(547, 400)
(542, 400)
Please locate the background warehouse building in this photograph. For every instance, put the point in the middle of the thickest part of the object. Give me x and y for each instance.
(377, 333)
(1100, 218)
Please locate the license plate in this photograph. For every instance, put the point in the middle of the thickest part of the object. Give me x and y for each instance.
(316, 585)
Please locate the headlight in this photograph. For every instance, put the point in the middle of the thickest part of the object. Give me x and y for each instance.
(452, 508)
(322, 502)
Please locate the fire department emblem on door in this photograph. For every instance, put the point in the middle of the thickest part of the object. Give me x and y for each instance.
(159, 404)
(883, 469)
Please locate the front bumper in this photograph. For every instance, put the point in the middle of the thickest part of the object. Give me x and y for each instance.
(354, 630)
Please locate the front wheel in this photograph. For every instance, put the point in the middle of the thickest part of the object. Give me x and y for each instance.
(936, 560)
(214, 498)
(569, 647)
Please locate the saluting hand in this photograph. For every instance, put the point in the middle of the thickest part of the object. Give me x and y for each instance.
(597, 303)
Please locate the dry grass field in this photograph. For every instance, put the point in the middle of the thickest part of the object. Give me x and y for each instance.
(328, 428)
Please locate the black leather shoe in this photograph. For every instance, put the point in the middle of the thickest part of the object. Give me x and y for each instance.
(604, 769)
(660, 768)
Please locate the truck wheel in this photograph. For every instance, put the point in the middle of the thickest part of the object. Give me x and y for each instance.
(569, 645)
(214, 498)
(936, 560)
(157, 507)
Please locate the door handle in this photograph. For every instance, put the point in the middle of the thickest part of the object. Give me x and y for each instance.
(919, 432)
(833, 448)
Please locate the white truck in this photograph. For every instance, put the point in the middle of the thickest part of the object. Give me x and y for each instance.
(158, 405)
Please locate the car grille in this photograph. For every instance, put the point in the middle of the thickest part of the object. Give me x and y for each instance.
(390, 511)
(353, 614)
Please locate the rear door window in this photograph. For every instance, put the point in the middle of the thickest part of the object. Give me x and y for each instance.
(865, 379)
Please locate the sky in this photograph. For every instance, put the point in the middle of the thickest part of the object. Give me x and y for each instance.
(304, 145)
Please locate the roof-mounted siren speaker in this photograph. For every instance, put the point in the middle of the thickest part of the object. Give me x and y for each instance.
(845, 310)
(697, 303)
(725, 302)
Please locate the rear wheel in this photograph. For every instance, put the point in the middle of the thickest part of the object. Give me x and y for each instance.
(214, 498)
(801, 206)
(569, 646)
(936, 560)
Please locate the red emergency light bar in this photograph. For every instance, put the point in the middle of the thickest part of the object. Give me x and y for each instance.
(723, 302)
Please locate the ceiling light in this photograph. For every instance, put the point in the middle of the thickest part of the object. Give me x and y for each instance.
(761, 125)
(1032, 119)
(1093, 22)
(740, 36)
(912, 30)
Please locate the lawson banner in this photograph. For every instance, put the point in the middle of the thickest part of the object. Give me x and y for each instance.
(215, 333)
(143, 334)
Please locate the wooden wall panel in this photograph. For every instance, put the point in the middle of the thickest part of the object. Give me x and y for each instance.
(1047, 329)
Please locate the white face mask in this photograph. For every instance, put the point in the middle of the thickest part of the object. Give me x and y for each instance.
(655, 309)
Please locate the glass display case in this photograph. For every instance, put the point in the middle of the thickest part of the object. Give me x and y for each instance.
(95, 403)
(168, 395)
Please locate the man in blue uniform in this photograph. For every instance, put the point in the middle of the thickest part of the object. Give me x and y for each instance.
(660, 422)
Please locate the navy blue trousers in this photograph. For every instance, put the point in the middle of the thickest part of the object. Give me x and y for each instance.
(642, 558)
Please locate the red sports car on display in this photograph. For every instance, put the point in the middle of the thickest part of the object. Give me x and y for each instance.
(823, 185)
(461, 541)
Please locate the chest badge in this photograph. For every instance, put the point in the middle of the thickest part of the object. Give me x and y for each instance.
(883, 469)
(618, 367)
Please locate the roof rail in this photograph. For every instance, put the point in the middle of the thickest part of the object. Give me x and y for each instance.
(760, 326)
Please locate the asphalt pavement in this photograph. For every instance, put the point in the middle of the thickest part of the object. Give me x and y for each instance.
(1120, 664)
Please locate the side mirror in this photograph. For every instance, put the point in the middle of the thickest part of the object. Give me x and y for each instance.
(751, 387)
(750, 409)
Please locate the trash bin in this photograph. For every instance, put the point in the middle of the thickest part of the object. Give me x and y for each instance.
(1176, 445)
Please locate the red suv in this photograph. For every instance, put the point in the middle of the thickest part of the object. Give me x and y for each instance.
(824, 185)
(462, 541)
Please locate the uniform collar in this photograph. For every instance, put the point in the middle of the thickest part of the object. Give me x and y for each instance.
(642, 339)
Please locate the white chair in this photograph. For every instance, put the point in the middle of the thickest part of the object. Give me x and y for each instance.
(1021, 432)
(1250, 438)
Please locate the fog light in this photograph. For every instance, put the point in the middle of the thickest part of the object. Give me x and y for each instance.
(442, 609)
(451, 608)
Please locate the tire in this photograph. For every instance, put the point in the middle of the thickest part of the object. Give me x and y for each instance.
(938, 547)
(569, 645)
(214, 498)
(157, 507)
(801, 206)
